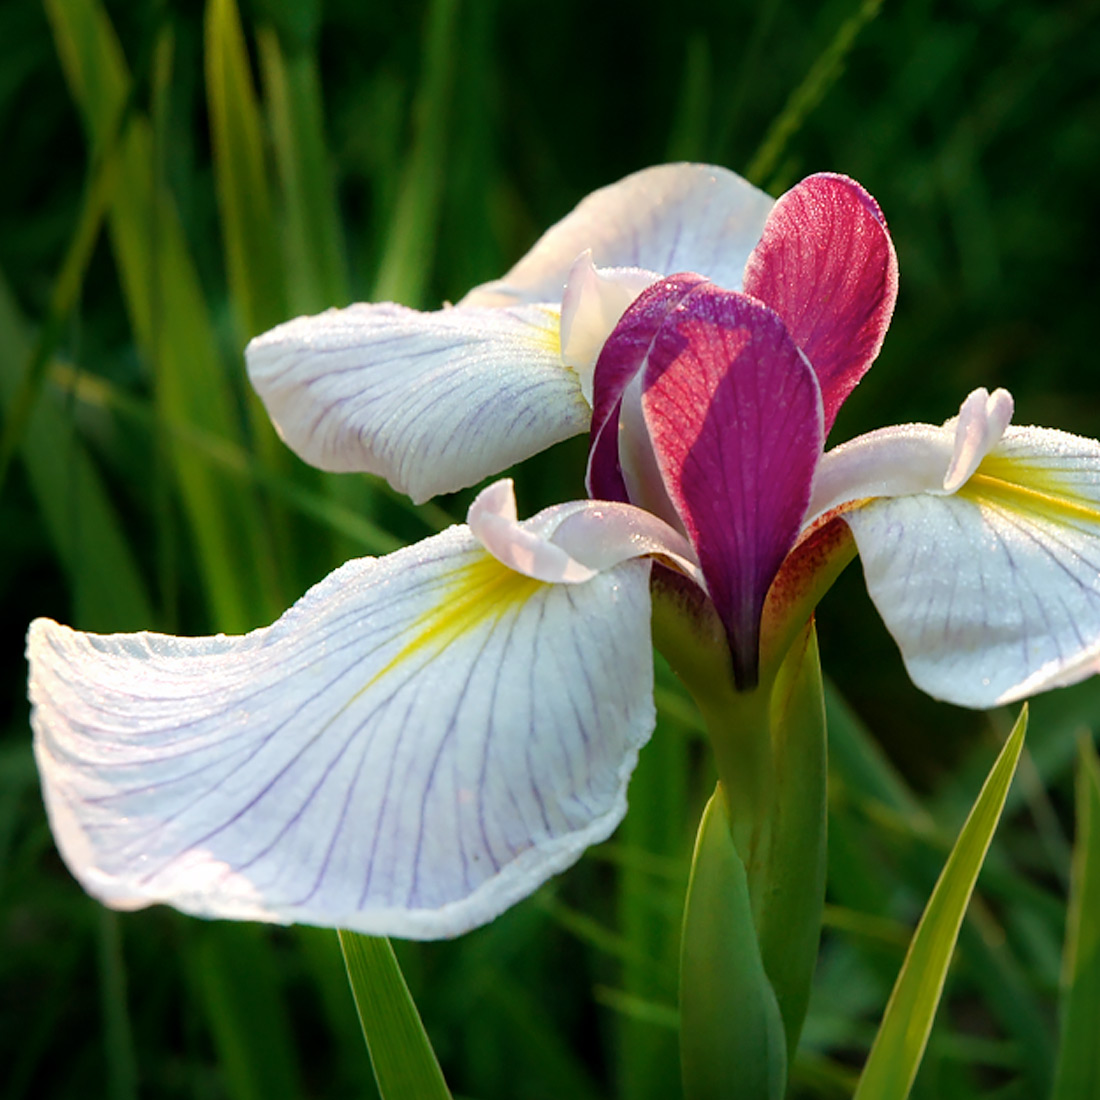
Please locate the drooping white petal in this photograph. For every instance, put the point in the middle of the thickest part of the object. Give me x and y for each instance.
(432, 402)
(912, 458)
(572, 542)
(993, 593)
(670, 218)
(418, 743)
(594, 300)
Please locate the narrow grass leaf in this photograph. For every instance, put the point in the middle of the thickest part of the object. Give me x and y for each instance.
(170, 320)
(108, 589)
(237, 979)
(903, 1034)
(405, 1065)
(815, 85)
(70, 279)
(407, 259)
(235, 461)
(1077, 1076)
(649, 907)
(118, 1035)
(252, 256)
(315, 267)
(790, 893)
(732, 1043)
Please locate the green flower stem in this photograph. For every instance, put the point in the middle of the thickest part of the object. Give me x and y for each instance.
(770, 751)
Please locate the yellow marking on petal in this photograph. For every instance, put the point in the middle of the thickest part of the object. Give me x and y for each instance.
(550, 335)
(482, 590)
(1000, 480)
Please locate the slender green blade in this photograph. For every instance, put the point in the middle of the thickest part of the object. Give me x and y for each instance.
(109, 592)
(903, 1034)
(407, 259)
(405, 1065)
(732, 1043)
(316, 273)
(237, 980)
(790, 895)
(252, 253)
(800, 104)
(170, 319)
(1077, 1076)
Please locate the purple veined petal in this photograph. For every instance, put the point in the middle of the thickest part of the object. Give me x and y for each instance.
(912, 458)
(672, 217)
(432, 402)
(421, 741)
(734, 414)
(825, 263)
(571, 543)
(623, 356)
(993, 593)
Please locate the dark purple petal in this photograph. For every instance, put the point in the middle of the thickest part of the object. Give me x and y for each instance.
(734, 415)
(622, 356)
(825, 263)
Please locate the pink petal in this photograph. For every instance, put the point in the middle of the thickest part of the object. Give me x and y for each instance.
(825, 263)
(623, 355)
(734, 413)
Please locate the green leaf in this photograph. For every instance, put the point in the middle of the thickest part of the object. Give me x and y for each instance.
(252, 252)
(238, 982)
(404, 1063)
(903, 1034)
(732, 1043)
(170, 320)
(1077, 1076)
(316, 274)
(108, 590)
(789, 891)
(407, 260)
(804, 99)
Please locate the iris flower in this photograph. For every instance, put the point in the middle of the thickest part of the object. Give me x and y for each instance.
(425, 738)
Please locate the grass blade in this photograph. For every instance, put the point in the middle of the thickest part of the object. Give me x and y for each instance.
(316, 273)
(822, 75)
(407, 259)
(1078, 1068)
(171, 322)
(732, 1043)
(404, 1063)
(108, 590)
(247, 213)
(903, 1034)
(238, 982)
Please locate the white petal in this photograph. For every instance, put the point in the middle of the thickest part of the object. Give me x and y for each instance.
(981, 422)
(993, 593)
(433, 402)
(418, 743)
(912, 458)
(570, 543)
(668, 219)
(594, 300)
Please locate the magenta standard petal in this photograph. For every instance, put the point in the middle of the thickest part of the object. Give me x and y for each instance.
(825, 263)
(734, 414)
(622, 357)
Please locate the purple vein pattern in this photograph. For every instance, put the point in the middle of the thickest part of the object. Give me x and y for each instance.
(993, 594)
(432, 402)
(369, 761)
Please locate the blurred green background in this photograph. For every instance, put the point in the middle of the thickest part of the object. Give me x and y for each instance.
(179, 177)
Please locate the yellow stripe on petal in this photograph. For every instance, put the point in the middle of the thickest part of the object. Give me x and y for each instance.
(1019, 487)
(483, 590)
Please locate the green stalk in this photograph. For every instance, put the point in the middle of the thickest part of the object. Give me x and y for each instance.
(753, 918)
